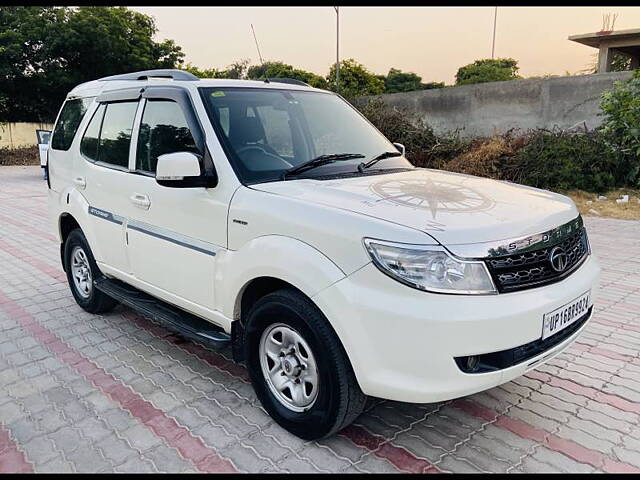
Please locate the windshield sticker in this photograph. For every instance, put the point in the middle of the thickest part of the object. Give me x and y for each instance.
(217, 93)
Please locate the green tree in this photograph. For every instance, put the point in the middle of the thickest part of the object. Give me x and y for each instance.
(203, 72)
(399, 81)
(277, 69)
(46, 51)
(620, 62)
(355, 80)
(487, 70)
(237, 70)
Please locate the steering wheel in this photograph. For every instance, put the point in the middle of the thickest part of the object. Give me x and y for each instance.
(274, 157)
(267, 149)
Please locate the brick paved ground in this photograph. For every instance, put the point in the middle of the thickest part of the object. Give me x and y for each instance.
(117, 392)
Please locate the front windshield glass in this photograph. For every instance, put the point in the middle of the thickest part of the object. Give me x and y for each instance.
(269, 131)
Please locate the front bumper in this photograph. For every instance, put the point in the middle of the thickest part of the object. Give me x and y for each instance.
(402, 342)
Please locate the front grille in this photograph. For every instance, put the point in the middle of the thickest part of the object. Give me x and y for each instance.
(490, 362)
(533, 269)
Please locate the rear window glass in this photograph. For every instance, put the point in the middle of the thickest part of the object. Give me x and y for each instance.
(89, 142)
(68, 122)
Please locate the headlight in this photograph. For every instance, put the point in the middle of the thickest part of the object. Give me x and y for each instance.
(430, 268)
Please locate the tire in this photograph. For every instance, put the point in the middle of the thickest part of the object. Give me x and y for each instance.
(337, 398)
(78, 254)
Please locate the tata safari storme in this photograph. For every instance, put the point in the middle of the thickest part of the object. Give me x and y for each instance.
(274, 216)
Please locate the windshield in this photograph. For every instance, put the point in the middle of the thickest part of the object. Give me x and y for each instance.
(267, 132)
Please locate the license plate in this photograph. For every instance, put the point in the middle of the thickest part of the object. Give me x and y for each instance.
(562, 317)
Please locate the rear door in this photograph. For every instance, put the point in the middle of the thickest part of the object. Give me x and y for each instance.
(60, 164)
(105, 149)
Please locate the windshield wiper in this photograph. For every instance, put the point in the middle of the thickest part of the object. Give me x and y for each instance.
(319, 161)
(362, 166)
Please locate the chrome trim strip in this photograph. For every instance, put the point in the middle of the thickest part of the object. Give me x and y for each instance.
(480, 251)
(103, 214)
(173, 237)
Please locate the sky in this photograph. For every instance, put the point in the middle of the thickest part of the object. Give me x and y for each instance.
(430, 41)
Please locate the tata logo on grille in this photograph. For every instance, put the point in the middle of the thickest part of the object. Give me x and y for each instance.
(559, 259)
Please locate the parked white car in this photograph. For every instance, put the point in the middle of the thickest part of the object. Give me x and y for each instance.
(274, 216)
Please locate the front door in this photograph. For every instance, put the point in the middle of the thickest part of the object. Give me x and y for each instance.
(173, 234)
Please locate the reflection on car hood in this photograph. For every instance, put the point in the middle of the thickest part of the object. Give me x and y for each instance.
(453, 208)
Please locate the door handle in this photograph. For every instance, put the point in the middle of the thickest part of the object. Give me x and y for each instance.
(140, 200)
(80, 182)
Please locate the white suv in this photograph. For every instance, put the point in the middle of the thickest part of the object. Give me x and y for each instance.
(274, 216)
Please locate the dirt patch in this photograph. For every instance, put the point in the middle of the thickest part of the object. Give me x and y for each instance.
(589, 206)
(20, 156)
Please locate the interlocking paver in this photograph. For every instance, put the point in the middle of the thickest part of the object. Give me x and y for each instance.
(119, 393)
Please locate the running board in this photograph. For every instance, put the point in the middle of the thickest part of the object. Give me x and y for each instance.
(185, 323)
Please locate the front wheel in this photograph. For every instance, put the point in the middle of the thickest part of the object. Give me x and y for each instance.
(298, 367)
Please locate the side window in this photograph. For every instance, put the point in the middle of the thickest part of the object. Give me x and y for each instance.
(91, 137)
(277, 129)
(115, 136)
(68, 122)
(163, 130)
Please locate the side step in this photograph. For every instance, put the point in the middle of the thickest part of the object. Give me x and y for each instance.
(185, 323)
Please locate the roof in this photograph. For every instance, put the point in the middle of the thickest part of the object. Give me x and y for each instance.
(115, 82)
(594, 39)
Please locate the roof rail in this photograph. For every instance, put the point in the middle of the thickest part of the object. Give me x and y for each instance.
(291, 81)
(159, 73)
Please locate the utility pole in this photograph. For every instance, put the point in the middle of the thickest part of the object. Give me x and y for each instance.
(337, 9)
(256, 40)
(493, 44)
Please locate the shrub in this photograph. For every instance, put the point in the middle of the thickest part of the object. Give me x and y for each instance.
(560, 160)
(19, 156)
(424, 148)
(621, 127)
(550, 159)
(488, 157)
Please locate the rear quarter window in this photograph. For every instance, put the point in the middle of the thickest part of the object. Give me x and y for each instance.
(69, 120)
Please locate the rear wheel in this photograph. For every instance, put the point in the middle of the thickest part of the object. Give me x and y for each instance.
(81, 271)
(299, 368)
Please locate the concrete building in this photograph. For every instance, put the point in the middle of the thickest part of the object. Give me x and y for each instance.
(626, 42)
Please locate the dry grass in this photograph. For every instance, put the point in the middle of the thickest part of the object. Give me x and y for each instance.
(486, 156)
(20, 156)
(608, 208)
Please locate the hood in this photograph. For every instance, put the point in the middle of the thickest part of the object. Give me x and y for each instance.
(452, 208)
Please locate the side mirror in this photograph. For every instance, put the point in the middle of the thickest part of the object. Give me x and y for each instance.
(182, 170)
(400, 147)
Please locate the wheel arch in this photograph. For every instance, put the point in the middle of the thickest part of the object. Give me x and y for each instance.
(290, 263)
(74, 214)
(250, 293)
(66, 224)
